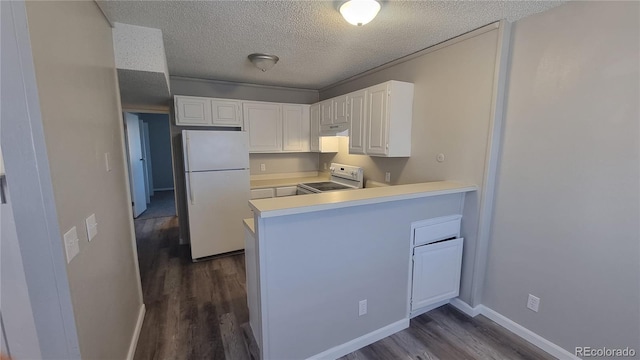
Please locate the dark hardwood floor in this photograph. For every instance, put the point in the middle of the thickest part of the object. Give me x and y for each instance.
(199, 311)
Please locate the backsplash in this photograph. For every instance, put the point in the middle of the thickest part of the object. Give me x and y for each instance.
(283, 163)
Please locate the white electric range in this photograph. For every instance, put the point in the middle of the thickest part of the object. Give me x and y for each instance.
(343, 177)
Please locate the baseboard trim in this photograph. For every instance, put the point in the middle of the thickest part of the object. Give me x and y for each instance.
(362, 341)
(466, 308)
(526, 334)
(136, 333)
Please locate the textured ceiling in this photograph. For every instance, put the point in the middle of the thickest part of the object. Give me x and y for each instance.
(316, 46)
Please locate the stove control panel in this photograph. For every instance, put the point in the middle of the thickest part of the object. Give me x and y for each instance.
(354, 174)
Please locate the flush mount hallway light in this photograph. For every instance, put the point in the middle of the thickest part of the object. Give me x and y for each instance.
(359, 12)
(263, 62)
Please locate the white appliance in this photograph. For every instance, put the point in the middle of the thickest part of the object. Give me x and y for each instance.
(217, 183)
(343, 177)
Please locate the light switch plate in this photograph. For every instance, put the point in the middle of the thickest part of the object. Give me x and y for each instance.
(92, 226)
(71, 244)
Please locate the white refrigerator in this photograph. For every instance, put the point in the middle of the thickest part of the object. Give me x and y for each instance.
(217, 183)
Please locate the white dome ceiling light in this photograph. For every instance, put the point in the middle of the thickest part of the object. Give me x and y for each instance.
(263, 62)
(359, 12)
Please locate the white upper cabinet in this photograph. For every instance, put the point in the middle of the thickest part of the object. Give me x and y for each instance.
(314, 130)
(357, 110)
(340, 112)
(326, 113)
(275, 127)
(199, 111)
(295, 127)
(377, 120)
(226, 113)
(193, 111)
(317, 143)
(263, 121)
(333, 116)
(389, 113)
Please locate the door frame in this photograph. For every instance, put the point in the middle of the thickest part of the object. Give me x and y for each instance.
(31, 191)
(130, 164)
(173, 161)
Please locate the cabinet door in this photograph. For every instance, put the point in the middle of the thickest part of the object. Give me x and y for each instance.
(326, 112)
(192, 110)
(436, 272)
(377, 124)
(262, 193)
(357, 109)
(286, 191)
(314, 133)
(263, 121)
(292, 126)
(340, 111)
(226, 113)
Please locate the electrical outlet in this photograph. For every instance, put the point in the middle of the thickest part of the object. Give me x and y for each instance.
(362, 307)
(533, 303)
(263, 167)
(387, 176)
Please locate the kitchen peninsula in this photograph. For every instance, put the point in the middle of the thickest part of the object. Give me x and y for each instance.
(330, 273)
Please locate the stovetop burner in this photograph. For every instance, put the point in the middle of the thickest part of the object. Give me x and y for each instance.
(327, 186)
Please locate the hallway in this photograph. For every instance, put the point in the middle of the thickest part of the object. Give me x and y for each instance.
(163, 204)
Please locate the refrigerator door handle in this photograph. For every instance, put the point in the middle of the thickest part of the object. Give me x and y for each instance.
(188, 161)
(190, 188)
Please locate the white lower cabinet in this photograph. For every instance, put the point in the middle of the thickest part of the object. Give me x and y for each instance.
(286, 191)
(436, 272)
(262, 193)
(437, 261)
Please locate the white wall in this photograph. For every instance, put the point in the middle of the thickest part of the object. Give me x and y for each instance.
(283, 163)
(78, 91)
(567, 205)
(451, 115)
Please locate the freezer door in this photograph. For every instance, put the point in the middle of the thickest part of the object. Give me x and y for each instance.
(217, 203)
(215, 150)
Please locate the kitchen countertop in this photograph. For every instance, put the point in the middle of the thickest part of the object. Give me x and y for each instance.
(259, 184)
(249, 224)
(300, 204)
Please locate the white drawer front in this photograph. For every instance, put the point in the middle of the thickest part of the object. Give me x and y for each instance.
(262, 193)
(436, 229)
(286, 191)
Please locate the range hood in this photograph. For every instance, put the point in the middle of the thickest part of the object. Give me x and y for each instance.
(335, 130)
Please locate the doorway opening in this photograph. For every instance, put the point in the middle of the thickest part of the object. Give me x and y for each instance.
(151, 174)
